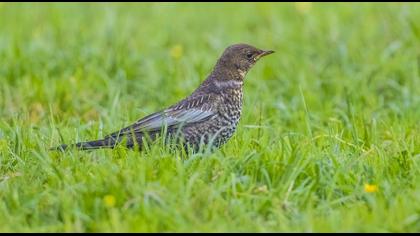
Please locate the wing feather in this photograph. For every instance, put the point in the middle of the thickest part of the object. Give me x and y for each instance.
(185, 112)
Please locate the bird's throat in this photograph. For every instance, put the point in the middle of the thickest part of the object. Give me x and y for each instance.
(242, 73)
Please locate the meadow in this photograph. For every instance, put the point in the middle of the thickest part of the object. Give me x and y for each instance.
(329, 138)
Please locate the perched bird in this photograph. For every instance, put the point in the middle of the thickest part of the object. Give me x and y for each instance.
(208, 116)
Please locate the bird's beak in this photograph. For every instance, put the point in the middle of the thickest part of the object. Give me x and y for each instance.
(265, 53)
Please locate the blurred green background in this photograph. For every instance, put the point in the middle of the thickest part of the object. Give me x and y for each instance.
(328, 141)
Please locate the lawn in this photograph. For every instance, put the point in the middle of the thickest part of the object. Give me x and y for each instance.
(329, 138)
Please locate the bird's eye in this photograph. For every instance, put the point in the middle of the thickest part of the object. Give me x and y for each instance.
(249, 55)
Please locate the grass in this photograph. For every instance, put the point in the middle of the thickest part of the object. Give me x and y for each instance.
(329, 139)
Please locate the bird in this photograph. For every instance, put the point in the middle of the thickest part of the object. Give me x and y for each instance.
(208, 117)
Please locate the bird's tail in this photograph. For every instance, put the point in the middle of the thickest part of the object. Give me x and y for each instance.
(89, 145)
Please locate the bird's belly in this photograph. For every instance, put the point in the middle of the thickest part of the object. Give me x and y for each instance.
(214, 132)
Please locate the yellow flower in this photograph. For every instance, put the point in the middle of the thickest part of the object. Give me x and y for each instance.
(176, 51)
(3, 143)
(262, 189)
(303, 7)
(371, 188)
(109, 200)
(36, 110)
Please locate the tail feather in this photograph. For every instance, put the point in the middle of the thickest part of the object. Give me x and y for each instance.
(89, 145)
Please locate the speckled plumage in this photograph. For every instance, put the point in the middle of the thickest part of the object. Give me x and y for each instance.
(208, 116)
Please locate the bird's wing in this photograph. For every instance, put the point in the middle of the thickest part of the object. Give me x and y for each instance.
(190, 110)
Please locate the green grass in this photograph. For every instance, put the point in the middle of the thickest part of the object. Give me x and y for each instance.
(335, 108)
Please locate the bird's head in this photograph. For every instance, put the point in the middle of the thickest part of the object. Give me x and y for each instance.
(239, 58)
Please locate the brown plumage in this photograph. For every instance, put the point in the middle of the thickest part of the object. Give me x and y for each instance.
(208, 116)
